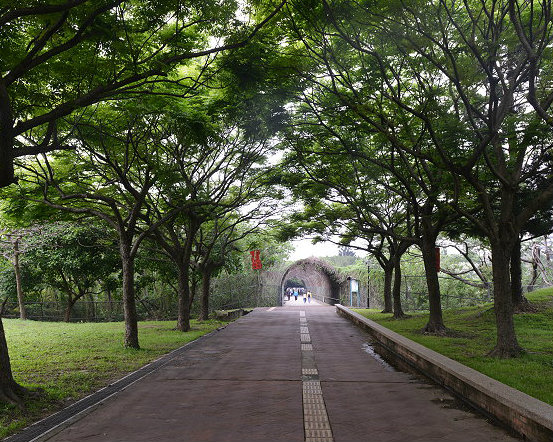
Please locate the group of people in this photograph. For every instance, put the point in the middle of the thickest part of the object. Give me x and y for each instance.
(298, 291)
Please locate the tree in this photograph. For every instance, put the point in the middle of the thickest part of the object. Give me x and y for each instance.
(72, 258)
(457, 71)
(46, 74)
(49, 49)
(108, 178)
(11, 250)
(338, 200)
(218, 239)
(211, 177)
(344, 250)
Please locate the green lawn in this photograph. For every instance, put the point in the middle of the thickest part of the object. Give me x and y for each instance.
(70, 361)
(473, 335)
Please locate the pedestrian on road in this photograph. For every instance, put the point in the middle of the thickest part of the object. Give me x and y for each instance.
(296, 293)
(309, 297)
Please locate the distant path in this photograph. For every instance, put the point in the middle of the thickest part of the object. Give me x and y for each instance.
(245, 383)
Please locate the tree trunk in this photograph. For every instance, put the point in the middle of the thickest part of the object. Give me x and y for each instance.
(10, 391)
(129, 299)
(6, 140)
(388, 275)
(428, 246)
(507, 345)
(110, 304)
(398, 311)
(69, 309)
(520, 302)
(18, 285)
(206, 280)
(193, 289)
(535, 274)
(183, 321)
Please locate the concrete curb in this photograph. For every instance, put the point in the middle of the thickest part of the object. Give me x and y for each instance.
(525, 414)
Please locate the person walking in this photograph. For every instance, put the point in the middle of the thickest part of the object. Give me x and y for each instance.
(304, 294)
(296, 293)
(309, 297)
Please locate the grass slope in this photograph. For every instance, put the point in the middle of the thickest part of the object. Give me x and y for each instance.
(70, 361)
(473, 335)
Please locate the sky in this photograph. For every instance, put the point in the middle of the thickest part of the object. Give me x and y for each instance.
(304, 249)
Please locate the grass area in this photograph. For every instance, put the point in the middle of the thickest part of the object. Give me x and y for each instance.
(70, 361)
(473, 335)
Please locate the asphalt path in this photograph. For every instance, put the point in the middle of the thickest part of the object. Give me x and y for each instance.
(293, 373)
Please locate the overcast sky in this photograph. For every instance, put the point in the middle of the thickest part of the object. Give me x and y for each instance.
(304, 249)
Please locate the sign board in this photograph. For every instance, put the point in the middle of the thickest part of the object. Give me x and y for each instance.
(353, 289)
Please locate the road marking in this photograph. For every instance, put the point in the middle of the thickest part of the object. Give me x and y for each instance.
(316, 425)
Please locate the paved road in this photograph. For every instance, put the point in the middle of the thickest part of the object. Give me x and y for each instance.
(296, 373)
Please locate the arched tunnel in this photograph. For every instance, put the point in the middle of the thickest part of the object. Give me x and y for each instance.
(317, 276)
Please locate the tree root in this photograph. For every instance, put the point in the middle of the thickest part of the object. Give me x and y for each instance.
(525, 306)
(14, 396)
(506, 353)
(401, 315)
(435, 329)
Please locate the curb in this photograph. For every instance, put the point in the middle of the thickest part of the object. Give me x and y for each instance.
(524, 414)
(50, 426)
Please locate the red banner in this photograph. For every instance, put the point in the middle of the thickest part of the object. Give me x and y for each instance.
(437, 259)
(256, 260)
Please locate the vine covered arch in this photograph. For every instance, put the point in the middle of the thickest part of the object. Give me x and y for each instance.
(318, 276)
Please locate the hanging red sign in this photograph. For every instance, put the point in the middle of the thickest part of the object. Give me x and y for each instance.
(437, 259)
(256, 260)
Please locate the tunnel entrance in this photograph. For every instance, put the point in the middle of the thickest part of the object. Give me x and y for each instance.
(294, 282)
(316, 276)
